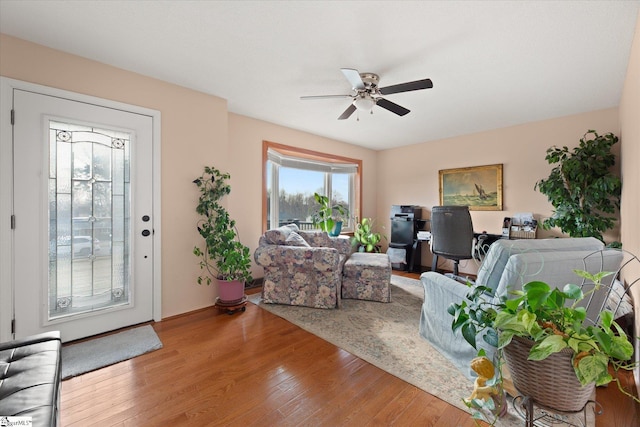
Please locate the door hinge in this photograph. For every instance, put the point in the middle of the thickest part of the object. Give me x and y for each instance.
(13, 326)
(13, 116)
(13, 222)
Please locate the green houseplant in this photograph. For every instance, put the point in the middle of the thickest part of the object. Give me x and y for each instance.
(551, 321)
(582, 189)
(328, 218)
(364, 238)
(223, 256)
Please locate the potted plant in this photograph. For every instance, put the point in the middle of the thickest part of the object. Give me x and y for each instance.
(328, 218)
(223, 257)
(582, 189)
(364, 238)
(540, 325)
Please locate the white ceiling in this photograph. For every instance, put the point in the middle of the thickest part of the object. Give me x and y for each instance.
(493, 63)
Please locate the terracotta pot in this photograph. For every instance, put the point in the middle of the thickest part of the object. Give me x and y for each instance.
(230, 291)
(551, 382)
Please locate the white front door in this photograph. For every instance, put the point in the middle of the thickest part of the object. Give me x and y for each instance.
(84, 216)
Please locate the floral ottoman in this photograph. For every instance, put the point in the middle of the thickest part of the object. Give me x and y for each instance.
(366, 276)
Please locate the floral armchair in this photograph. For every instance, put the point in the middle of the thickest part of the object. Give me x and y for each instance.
(302, 267)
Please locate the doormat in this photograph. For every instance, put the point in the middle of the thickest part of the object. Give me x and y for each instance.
(97, 353)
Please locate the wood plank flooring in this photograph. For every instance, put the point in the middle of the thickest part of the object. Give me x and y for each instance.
(256, 369)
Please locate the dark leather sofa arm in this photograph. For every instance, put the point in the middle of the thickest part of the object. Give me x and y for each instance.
(30, 377)
(33, 339)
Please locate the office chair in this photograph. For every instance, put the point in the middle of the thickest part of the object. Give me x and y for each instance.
(451, 234)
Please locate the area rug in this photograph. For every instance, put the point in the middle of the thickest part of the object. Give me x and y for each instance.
(97, 353)
(386, 335)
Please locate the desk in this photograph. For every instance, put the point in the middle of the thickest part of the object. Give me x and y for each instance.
(480, 247)
(417, 248)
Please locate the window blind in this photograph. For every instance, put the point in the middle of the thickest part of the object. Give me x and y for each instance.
(310, 164)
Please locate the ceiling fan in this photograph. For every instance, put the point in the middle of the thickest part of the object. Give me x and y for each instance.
(366, 93)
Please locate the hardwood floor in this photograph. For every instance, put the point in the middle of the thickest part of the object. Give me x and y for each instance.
(256, 369)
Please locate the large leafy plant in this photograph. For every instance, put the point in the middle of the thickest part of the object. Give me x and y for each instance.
(223, 256)
(582, 189)
(553, 319)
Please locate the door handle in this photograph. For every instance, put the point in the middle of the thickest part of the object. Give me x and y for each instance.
(146, 232)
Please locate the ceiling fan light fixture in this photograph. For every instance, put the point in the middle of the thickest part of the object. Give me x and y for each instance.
(365, 93)
(364, 102)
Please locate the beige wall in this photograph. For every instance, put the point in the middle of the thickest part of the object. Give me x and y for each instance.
(630, 135)
(245, 154)
(409, 175)
(195, 132)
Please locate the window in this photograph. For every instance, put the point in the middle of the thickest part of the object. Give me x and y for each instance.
(291, 177)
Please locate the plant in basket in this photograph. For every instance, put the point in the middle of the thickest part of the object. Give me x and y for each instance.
(556, 356)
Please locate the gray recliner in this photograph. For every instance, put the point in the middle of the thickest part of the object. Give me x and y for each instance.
(509, 264)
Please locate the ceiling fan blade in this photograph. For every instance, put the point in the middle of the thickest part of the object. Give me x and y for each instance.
(354, 77)
(407, 87)
(325, 96)
(392, 106)
(348, 112)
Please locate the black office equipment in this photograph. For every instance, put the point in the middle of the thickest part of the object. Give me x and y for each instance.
(406, 220)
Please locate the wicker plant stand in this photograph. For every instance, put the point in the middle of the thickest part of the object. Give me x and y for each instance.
(549, 384)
